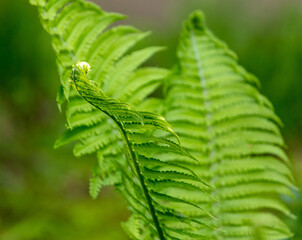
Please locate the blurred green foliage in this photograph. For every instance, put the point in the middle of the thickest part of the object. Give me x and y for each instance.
(44, 192)
(267, 42)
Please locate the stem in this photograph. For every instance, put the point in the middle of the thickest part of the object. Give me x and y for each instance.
(208, 118)
(142, 180)
(136, 164)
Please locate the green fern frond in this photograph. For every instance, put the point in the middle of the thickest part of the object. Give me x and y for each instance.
(153, 186)
(215, 107)
(80, 31)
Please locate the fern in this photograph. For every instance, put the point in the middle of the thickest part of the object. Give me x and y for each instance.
(80, 30)
(154, 187)
(211, 102)
(215, 107)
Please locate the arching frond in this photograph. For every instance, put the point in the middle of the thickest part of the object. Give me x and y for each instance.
(80, 31)
(215, 107)
(154, 187)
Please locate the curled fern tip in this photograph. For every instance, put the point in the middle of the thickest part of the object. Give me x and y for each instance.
(82, 67)
(197, 21)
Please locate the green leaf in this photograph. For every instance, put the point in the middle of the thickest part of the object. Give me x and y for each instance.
(215, 107)
(149, 189)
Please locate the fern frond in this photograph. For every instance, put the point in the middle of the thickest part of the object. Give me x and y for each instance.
(80, 31)
(151, 185)
(213, 104)
(215, 107)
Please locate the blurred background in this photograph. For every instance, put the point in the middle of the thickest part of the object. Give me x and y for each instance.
(44, 192)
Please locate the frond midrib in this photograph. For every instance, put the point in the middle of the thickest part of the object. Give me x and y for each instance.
(208, 122)
(134, 159)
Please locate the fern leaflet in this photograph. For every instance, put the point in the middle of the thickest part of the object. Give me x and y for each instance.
(215, 107)
(154, 186)
(80, 31)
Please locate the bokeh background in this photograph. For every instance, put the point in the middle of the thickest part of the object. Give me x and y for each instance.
(44, 192)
